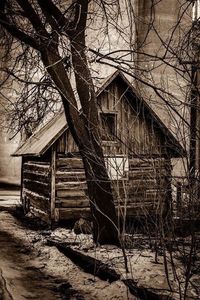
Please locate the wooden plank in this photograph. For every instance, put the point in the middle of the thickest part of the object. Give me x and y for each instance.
(22, 185)
(141, 201)
(146, 169)
(88, 264)
(146, 161)
(69, 173)
(69, 176)
(63, 169)
(42, 164)
(36, 186)
(37, 200)
(61, 143)
(70, 163)
(79, 203)
(35, 176)
(32, 167)
(75, 213)
(138, 206)
(133, 174)
(38, 162)
(143, 182)
(72, 185)
(70, 144)
(70, 193)
(53, 183)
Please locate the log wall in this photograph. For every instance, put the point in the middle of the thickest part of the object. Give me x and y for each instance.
(142, 193)
(36, 185)
(71, 188)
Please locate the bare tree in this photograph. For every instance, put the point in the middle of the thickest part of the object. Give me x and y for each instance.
(42, 26)
(52, 36)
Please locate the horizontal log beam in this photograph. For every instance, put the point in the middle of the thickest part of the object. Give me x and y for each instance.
(76, 203)
(135, 210)
(38, 187)
(75, 213)
(44, 169)
(70, 163)
(36, 176)
(104, 272)
(73, 185)
(37, 200)
(70, 193)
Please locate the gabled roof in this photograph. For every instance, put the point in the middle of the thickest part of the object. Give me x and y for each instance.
(44, 138)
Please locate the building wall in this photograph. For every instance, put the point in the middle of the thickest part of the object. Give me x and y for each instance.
(36, 185)
(136, 133)
(144, 192)
(161, 29)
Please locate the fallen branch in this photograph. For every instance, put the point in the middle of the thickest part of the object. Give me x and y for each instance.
(143, 293)
(87, 263)
(103, 271)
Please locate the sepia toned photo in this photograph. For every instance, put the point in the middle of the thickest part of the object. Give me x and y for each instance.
(100, 149)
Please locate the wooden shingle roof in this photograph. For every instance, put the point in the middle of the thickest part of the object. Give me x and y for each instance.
(44, 138)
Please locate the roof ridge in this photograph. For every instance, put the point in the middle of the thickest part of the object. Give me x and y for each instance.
(61, 126)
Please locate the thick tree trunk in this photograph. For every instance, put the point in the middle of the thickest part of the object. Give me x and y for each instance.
(104, 217)
(84, 125)
(86, 136)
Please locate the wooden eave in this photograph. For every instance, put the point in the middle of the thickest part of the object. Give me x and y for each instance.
(44, 138)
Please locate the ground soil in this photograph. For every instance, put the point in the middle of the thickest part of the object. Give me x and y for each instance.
(31, 270)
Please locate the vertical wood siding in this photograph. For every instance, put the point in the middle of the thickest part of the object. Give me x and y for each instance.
(136, 134)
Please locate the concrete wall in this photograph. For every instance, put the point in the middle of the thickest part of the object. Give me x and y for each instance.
(161, 29)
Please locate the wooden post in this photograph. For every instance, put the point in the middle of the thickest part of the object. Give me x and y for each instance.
(53, 183)
(178, 199)
(22, 184)
(24, 201)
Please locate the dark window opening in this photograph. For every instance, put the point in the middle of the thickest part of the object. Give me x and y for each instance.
(108, 121)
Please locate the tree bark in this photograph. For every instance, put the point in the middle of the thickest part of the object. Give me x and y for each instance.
(88, 141)
(84, 125)
(104, 217)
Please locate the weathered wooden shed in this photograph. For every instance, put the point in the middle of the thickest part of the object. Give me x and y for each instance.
(137, 147)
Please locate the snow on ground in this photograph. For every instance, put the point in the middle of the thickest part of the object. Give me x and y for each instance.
(21, 270)
(9, 197)
(33, 270)
(141, 263)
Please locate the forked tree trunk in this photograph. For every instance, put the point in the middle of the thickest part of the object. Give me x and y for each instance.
(83, 126)
(88, 142)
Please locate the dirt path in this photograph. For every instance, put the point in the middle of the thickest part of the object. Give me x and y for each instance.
(31, 270)
(22, 273)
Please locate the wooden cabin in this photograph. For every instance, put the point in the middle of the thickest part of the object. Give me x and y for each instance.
(137, 148)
